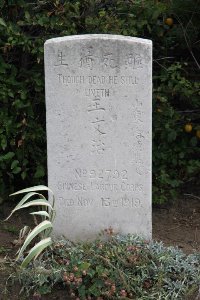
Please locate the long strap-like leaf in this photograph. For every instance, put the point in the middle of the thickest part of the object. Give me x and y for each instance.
(39, 228)
(24, 199)
(36, 250)
(40, 202)
(33, 189)
(42, 213)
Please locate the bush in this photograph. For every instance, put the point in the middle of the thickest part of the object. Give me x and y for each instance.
(118, 267)
(24, 27)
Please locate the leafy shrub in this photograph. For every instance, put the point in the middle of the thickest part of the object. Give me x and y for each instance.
(24, 27)
(118, 267)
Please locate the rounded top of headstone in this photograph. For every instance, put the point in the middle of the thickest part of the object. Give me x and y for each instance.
(99, 37)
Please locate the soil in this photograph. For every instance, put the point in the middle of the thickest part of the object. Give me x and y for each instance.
(175, 225)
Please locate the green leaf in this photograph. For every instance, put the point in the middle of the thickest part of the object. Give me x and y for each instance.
(2, 22)
(23, 95)
(11, 94)
(84, 266)
(82, 291)
(39, 228)
(36, 250)
(193, 141)
(94, 290)
(7, 156)
(16, 170)
(39, 172)
(27, 15)
(23, 175)
(14, 164)
(171, 136)
(3, 142)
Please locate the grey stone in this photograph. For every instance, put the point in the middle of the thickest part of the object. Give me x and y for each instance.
(98, 107)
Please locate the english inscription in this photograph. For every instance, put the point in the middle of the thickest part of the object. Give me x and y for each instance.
(97, 80)
(100, 186)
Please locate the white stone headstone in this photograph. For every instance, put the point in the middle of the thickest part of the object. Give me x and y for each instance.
(98, 107)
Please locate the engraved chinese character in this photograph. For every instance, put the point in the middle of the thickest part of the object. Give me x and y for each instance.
(99, 129)
(98, 146)
(137, 156)
(98, 120)
(97, 125)
(138, 102)
(139, 169)
(140, 137)
(61, 59)
(87, 61)
(138, 115)
(95, 106)
(109, 61)
(134, 60)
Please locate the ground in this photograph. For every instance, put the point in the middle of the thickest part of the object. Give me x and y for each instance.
(175, 225)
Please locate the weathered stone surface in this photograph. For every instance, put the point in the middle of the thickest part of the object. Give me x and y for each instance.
(98, 103)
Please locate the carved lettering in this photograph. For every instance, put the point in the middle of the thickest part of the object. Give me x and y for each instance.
(96, 79)
(71, 186)
(113, 79)
(124, 202)
(129, 80)
(69, 79)
(84, 201)
(105, 174)
(97, 93)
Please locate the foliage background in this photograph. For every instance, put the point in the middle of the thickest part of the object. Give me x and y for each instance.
(26, 25)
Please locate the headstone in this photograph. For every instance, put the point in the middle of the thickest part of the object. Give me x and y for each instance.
(98, 107)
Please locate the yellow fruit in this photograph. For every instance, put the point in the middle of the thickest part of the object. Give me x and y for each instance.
(188, 128)
(169, 21)
(198, 133)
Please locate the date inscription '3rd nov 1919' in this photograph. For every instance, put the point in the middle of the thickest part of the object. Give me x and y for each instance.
(123, 202)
